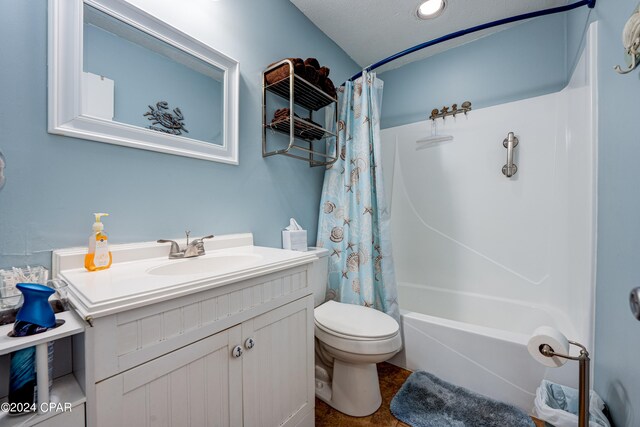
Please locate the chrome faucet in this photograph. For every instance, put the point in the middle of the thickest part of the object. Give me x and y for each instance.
(193, 249)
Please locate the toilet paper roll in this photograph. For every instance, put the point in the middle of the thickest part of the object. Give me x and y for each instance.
(555, 339)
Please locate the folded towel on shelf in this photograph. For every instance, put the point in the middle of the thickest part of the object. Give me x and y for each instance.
(309, 69)
(282, 72)
(281, 114)
(303, 128)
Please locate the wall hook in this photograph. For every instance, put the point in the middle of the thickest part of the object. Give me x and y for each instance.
(631, 42)
(450, 111)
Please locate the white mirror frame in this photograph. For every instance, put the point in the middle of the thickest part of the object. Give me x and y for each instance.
(65, 95)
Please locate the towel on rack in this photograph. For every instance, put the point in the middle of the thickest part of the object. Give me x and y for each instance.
(303, 128)
(325, 83)
(282, 72)
(323, 73)
(309, 69)
(311, 74)
(329, 88)
(313, 62)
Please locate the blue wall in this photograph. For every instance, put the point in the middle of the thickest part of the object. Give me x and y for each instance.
(617, 352)
(54, 183)
(520, 62)
(143, 77)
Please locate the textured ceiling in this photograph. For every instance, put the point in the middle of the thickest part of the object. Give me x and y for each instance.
(371, 30)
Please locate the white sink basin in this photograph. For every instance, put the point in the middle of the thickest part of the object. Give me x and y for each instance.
(213, 265)
(142, 274)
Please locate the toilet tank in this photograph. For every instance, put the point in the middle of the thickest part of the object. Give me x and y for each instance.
(319, 274)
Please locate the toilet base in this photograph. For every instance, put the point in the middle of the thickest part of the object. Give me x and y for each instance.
(354, 391)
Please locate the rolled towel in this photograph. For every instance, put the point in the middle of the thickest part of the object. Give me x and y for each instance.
(301, 128)
(281, 113)
(311, 74)
(298, 66)
(329, 88)
(323, 73)
(313, 62)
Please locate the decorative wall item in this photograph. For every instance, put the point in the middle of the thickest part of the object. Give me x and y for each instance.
(450, 111)
(631, 42)
(172, 123)
(79, 29)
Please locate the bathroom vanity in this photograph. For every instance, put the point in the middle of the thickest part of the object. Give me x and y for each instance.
(222, 339)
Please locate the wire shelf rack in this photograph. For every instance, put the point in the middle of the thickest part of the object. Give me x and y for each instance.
(303, 133)
(306, 95)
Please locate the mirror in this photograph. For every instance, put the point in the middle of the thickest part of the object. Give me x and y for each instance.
(121, 76)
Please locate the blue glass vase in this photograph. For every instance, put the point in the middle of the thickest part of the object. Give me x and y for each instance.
(34, 317)
(36, 309)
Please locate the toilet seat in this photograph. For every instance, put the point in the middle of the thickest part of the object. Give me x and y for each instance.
(355, 321)
(356, 330)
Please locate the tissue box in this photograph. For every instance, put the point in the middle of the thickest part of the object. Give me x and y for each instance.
(294, 240)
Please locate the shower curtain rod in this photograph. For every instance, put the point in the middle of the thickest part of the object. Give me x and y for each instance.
(589, 3)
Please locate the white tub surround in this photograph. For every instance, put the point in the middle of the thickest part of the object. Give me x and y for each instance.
(478, 342)
(482, 259)
(187, 340)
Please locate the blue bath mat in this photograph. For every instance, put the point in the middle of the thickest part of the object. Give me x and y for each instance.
(424, 400)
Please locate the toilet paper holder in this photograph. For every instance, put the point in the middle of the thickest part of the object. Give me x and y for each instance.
(583, 387)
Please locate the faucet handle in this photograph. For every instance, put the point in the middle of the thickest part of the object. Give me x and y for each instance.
(200, 243)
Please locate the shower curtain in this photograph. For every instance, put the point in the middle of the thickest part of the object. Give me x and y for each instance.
(354, 217)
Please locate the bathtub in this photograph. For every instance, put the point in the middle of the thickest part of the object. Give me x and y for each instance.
(478, 342)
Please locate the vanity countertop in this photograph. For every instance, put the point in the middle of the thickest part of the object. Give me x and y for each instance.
(139, 277)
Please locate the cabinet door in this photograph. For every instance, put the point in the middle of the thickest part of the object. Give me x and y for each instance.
(277, 376)
(197, 385)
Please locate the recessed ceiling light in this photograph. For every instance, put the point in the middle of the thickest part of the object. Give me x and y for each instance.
(430, 9)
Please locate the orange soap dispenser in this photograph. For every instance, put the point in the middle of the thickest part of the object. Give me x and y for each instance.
(99, 256)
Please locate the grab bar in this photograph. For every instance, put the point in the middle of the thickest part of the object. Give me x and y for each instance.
(510, 142)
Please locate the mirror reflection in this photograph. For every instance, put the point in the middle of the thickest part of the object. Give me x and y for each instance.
(133, 78)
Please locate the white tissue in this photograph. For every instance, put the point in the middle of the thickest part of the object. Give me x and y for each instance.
(555, 339)
(294, 237)
(293, 225)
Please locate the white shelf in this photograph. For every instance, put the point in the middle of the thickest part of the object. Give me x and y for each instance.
(65, 390)
(72, 325)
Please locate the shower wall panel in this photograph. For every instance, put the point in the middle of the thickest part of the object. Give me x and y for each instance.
(458, 223)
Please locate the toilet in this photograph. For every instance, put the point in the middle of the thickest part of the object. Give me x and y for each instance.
(350, 340)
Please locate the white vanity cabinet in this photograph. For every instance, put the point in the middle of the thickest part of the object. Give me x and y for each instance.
(278, 378)
(197, 385)
(236, 349)
(207, 383)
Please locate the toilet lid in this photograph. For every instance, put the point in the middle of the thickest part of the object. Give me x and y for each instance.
(355, 320)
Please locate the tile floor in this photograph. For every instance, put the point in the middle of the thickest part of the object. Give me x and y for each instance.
(391, 379)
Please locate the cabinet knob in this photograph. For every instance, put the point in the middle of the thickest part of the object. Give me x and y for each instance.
(237, 351)
(249, 343)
